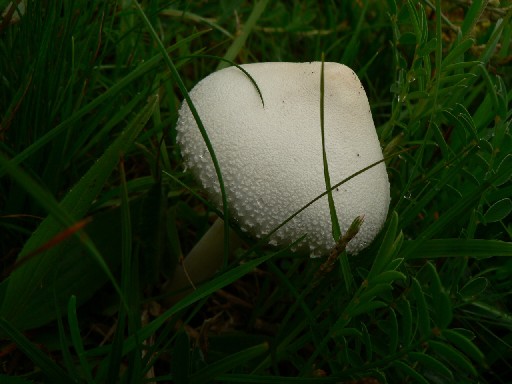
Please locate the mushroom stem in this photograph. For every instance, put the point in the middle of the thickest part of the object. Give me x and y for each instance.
(202, 262)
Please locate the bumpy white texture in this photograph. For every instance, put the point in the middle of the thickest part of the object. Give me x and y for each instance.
(271, 156)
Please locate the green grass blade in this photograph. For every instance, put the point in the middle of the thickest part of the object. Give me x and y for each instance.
(73, 76)
(454, 356)
(276, 379)
(197, 118)
(493, 41)
(465, 345)
(51, 370)
(406, 320)
(65, 349)
(409, 372)
(387, 249)
(350, 52)
(228, 363)
(265, 238)
(386, 277)
(336, 231)
(76, 339)
(446, 219)
(226, 61)
(454, 168)
(422, 315)
(200, 293)
(90, 107)
(474, 288)
(239, 42)
(455, 55)
(472, 16)
(472, 248)
(348, 276)
(498, 211)
(115, 355)
(195, 18)
(441, 303)
(431, 363)
(181, 358)
(14, 380)
(25, 282)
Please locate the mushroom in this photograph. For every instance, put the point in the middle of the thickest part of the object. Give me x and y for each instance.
(271, 155)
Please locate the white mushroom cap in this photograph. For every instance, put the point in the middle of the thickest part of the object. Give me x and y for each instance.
(271, 156)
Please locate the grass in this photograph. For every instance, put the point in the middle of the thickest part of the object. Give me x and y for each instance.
(96, 209)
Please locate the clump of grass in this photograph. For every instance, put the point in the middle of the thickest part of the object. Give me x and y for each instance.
(96, 210)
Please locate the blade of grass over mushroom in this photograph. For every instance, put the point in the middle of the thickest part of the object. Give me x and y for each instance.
(183, 89)
(264, 239)
(251, 79)
(336, 231)
(240, 40)
(246, 117)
